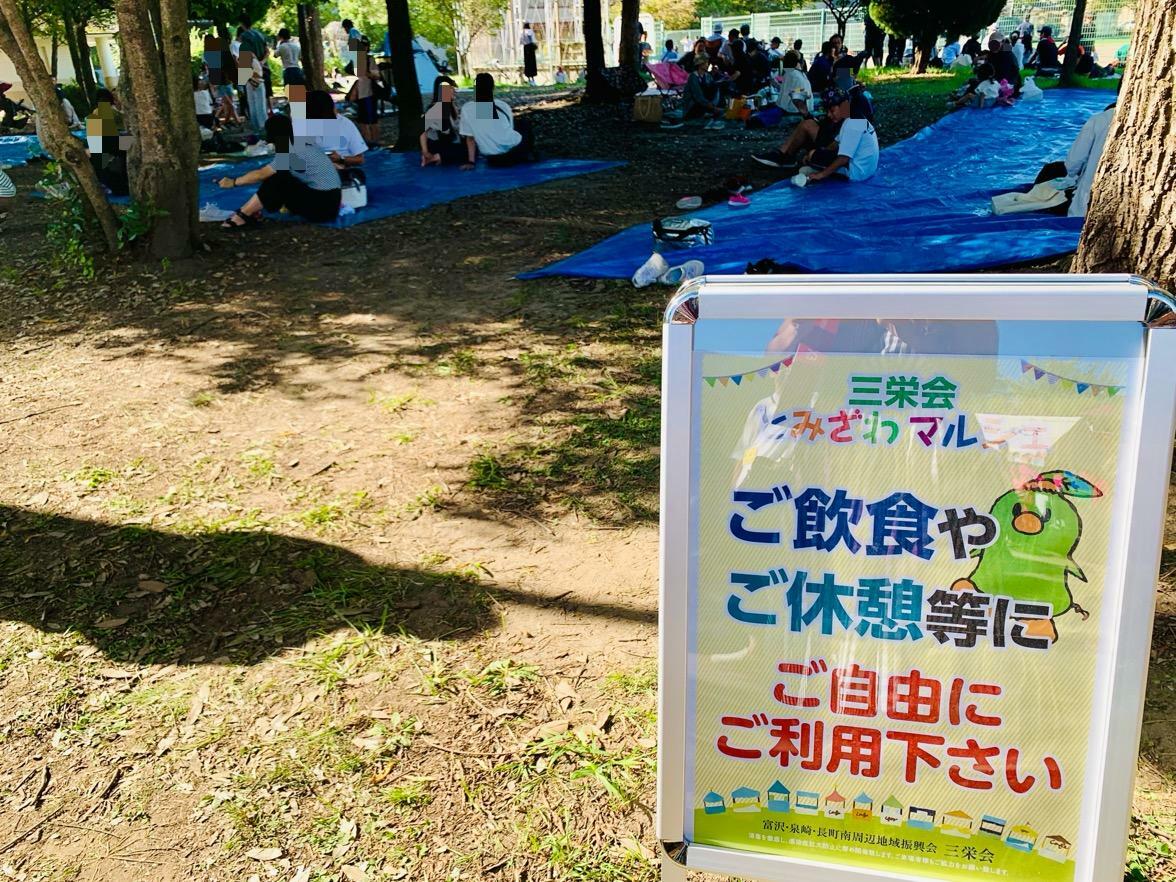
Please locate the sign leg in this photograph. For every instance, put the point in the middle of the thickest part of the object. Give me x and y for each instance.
(671, 870)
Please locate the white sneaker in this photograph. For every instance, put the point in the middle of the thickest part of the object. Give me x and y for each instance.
(650, 271)
(676, 275)
(210, 213)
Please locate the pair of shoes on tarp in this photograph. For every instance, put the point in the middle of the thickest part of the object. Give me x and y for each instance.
(733, 191)
(656, 269)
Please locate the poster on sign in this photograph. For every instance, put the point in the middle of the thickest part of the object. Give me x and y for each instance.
(905, 543)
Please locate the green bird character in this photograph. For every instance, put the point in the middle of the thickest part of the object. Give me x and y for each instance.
(1032, 559)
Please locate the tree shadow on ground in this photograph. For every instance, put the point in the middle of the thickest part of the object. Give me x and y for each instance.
(146, 596)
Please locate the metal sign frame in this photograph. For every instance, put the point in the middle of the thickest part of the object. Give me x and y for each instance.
(1118, 717)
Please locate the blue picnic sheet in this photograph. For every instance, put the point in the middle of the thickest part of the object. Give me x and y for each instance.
(396, 183)
(926, 210)
(16, 149)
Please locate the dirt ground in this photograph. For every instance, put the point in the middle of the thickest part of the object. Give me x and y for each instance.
(332, 554)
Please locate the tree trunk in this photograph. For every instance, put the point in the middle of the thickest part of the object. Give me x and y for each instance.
(627, 54)
(53, 54)
(1131, 223)
(924, 45)
(842, 22)
(165, 131)
(1073, 42)
(595, 88)
(86, 78)
(16, 41)
(408, 90)
(310, 37)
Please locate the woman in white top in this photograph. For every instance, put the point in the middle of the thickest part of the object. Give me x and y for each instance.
(530, 47)
(488, 125)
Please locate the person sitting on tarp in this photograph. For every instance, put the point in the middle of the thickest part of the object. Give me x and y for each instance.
(1004, 63)
(796, 92)
(441, 140)
(7, 188)
(820, 72)
(335, 135)
(981, 90)
(1085, 153)
(301, 179)
(107, 144)
(700, 96)
(1045, 58)
(838, 147)
(488, 125)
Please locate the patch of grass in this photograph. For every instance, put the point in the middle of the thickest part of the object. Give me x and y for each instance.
(501, 676)
(432, 499)
(572, 859)
(394, 404)
(641, 683)
(258, 463)
(402, 438)
(202, 399)
(409, 794)
(579, 756)
(487, 472)
(542, 367)
(459, 363)
(322, 515)
(1151, 850)
(93, 477)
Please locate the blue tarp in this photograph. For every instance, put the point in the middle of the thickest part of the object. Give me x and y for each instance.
(396, 183)
(16, 149)
(927, 209)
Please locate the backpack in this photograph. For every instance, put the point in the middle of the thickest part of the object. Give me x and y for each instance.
(683, 232)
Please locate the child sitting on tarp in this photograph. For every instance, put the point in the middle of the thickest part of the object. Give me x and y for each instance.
(981, 90)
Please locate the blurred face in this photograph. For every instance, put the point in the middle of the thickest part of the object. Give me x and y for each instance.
(446, 92)
(836, 41)
(839, 112)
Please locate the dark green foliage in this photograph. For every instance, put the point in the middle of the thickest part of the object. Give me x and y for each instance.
(906, 17)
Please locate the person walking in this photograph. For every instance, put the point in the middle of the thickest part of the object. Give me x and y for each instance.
(530, 48)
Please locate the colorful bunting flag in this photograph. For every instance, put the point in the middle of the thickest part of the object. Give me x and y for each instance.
(1066, 383)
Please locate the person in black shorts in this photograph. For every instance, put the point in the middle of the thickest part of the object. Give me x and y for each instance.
(811, 141)
(301, 179)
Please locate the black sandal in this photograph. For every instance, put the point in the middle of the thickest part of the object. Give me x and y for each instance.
(247, 220)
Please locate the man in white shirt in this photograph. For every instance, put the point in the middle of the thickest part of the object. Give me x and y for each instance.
(838, 145)
(1082, 160)
(796, 92)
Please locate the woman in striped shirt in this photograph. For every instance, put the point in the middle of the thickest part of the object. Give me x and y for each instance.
(7, 188)
(302, 179)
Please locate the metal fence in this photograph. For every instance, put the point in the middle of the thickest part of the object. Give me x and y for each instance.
(558, 25)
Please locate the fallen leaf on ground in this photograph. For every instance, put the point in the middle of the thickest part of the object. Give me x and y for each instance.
(264, 854)
(354, 873)
(109, 624)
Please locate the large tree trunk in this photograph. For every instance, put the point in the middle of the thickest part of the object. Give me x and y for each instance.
(16, 41)
(1131, 223)
(924, 45)
(627, 54)
(1074, 41)
(310, 37)
(408, 90)
(167, 140)
(595, 87)
(53, 54)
